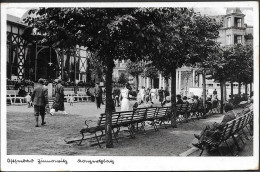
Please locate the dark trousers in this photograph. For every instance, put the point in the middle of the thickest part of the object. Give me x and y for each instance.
(116, 101)
(98, 101)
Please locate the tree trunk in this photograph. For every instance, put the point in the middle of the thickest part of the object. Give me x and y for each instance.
(167, 84)
(251, 89)
(221, 97)
(173, 98)
(109, 104)
(204, 87)
(137, 83)
(232, 90)
(224, 92)
(246, 90)
(151, 83)
(239, 89)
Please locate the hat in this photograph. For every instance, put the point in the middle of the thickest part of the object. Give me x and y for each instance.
(41, 81)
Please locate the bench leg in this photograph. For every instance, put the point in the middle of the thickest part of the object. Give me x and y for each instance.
(98, 139)
(142, 127)
(236, 142)
(201, 152)
(219, 150)
(130, 130)
(244, 134)
(115, 133)
(82, 138)
(229, 148)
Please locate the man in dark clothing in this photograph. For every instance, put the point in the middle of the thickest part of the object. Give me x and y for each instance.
(116, 94)
(216, 128)
(215, 92)
(40, 101)
(179, 100)
(98, 95)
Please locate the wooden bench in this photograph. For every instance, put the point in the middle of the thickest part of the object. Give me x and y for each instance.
(68, 95)
(232, 128)
(99, 129)
(131, 119)
(12, 96)
(81, 95)
(161, 116)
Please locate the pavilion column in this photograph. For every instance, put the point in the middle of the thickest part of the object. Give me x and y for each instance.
(179, 81)
(193, 78)
(163, 83)
(160, 81)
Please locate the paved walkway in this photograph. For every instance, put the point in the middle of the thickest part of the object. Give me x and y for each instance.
(178, 141)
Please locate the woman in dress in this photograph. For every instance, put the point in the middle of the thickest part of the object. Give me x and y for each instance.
(58, 102)
(124, 95)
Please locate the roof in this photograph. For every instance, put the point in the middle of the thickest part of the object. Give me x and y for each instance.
(233, 10)
(14, 19)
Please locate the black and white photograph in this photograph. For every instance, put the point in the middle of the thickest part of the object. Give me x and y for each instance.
(130, 86)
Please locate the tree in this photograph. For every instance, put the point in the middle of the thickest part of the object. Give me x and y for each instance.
(150, 72)
(206, 31)
(172, 35)
(135, 69)
(122, 79)
(103, 31)
(220, 69)
(240, 64)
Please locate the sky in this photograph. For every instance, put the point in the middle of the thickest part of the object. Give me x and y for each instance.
(19, 11)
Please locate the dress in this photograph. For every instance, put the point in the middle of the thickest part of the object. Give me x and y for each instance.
(58, 103)
(125, 100)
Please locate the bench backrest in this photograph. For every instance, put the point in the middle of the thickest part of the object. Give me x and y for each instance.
(227, 130)
(69, 93)
(237, 124)
(12, 92)
(139, 114)
(82, 93)
(178, 107)
(125, 116)
(161, 112)
(194, 107)
(102, 119)
(151, 112)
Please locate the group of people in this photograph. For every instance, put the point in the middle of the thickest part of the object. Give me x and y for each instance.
(148, 94)
(40, 101)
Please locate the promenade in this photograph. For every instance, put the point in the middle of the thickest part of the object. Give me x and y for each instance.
(23, 138)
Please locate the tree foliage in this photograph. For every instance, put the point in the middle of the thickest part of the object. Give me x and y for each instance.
(135, 68)
(122, 79)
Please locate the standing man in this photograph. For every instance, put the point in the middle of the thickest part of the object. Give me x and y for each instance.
(161, 95)
(40, 101)
(58, 103)
(215, 92)
(98, 95)
(116, 94)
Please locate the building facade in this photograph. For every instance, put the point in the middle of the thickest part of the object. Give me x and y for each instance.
(188, 80)
(32, 60)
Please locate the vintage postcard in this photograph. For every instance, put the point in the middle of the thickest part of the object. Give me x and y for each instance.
(130, 86)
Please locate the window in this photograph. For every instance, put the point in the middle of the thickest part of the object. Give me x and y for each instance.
(228, 39)
(238, 22)
(238, 39)
(229, 22)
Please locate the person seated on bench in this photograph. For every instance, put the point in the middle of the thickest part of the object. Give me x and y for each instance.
(185, 100)
(216, 128)
(179, 100)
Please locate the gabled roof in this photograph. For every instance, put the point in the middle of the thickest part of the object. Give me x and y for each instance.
(14, 19)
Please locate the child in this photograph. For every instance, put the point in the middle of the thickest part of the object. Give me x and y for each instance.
(28, 100)
(71, 100)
